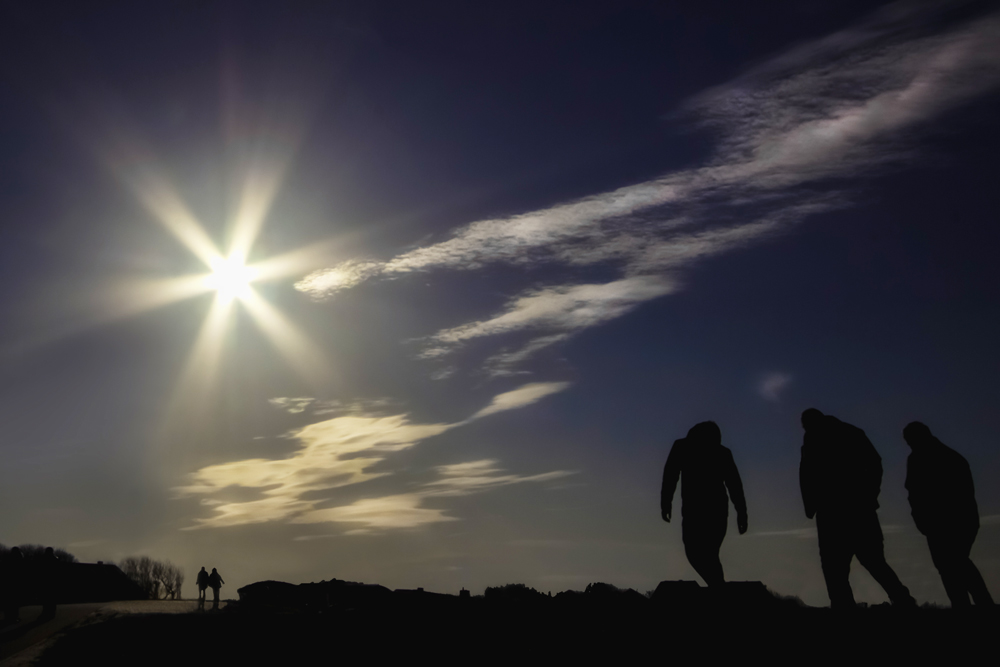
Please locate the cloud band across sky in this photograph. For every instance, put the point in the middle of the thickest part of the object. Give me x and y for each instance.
(833, 108)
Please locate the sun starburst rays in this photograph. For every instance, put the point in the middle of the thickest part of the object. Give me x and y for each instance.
(229, 276)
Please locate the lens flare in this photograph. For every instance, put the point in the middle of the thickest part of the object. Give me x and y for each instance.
(231, 278)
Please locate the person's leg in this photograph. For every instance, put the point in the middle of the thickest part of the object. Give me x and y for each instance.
(977, 587)
(870, 550)
(702, 541)
(971, 578)
(835, 556)
(950, 563)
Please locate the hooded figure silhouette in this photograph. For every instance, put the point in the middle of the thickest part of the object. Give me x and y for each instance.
(706, 470)
(943, 504)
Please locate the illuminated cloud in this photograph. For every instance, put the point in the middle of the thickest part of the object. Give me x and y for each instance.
(400, 511)
(772, 384)
(297, 405)
(461, 479)
(520, 397)
(291, 405)
(837, 107)
(340, 452)
(344, 276)
(564, 308)
(407, 511)
(504, 363)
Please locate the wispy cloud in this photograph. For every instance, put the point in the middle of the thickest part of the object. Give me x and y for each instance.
(291, 405)
(315, 406)
(772, 384)
(520, 397)
(341, 452)
(398, 511)
(461, 479)
(407, 510)
(834, 108)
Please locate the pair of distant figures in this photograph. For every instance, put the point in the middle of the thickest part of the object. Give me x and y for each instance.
(22, 578)
(840, 476)
(205, 581)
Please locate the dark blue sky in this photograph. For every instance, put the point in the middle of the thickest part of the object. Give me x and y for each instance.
(607, 221)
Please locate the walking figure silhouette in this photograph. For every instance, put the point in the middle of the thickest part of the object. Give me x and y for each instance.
(840, 476)
(943, 504)
(706, 470)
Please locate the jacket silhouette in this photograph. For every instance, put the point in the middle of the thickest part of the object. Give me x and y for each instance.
(943, 504)
(840, 476)
(202, 583)
(215, 583)
(706, 470)
(12, 584)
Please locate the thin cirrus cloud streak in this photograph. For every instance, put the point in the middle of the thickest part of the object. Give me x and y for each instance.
(407, 510)
(837, 107)
(341, 452)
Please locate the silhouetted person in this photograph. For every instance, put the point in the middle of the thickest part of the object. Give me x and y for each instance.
(841, 476)
(943, 504)
(49, 580)
(706, 469)
(202, 582)
(12, 577)
(215, 582)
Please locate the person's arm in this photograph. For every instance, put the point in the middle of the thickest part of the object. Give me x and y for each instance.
(968, 496)
(873, 468)
(671, 474)
(917, 489)
(735, 486)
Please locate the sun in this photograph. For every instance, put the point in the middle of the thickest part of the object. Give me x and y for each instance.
(231, 278)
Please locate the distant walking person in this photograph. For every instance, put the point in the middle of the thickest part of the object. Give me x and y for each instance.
(841, 476)
(202, 582)
(12, 577)
(706, 469)
(50, 582)
(943, 503)
(215, 582)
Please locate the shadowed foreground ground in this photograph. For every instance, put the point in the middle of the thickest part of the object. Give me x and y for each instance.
(480, 629)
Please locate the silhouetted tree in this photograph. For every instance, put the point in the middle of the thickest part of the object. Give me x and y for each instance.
(154, 577)
(170, 578)
(177, 584)
(517, 592)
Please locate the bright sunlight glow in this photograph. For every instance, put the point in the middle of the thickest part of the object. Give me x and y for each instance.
(230, 278)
